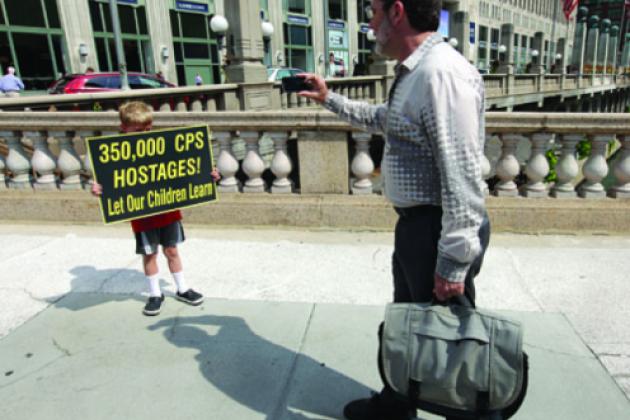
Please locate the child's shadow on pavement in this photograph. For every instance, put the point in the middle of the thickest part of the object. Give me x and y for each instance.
(120, 284)
(266, 377)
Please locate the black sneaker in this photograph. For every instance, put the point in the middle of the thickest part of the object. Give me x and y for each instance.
(153, 305)
(375, 408)
(190, 297)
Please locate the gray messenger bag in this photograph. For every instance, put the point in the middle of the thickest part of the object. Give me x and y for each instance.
(453, 360)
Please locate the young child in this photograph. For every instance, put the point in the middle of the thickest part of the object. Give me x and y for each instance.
(163, 229)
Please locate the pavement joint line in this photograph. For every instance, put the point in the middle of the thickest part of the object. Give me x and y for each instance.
(285, 388)
(560, 353)
(31, 250)
(21, 378)
(107, 279)
(597, 357)
(522, 282)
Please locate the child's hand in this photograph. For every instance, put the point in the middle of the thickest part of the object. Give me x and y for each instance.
(97, 189)
(215, 174)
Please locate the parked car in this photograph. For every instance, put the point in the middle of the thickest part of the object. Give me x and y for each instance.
(278, 73)
(104, 82)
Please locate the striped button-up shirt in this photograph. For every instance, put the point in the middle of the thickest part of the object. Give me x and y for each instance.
(434, 132)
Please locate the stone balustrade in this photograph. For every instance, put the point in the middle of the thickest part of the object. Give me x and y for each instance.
(502, 91)
(312, 151)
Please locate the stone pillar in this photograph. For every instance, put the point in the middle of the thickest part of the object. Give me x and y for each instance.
(602, 46)
(538, 45)
(353, 37)
(560, 67)
(613, 44)
(253, 165)
(323, 162)
(244, 42)
(460, 30)
(77, 26)
(159, 26)
(625, 54)
(506, 59)
(320, 33)
(276, 18)
(592, 39)
(579, 42)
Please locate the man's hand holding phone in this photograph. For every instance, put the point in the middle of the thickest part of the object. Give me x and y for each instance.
(308, 85)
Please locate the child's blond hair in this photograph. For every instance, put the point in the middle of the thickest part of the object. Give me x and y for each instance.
(135, 113)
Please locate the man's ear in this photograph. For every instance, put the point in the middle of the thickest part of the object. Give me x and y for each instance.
(396, 13)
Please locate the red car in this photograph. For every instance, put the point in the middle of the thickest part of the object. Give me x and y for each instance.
(104, 82)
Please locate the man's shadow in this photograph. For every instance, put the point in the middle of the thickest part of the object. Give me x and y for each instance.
(266, 377)
(90, 287)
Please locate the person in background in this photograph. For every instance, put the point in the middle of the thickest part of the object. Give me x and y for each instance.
(332, 67)
(89, 70)
(10, 84)
(198, 80)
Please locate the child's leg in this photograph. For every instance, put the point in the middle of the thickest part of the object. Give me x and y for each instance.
(151, 270)
(175, 267)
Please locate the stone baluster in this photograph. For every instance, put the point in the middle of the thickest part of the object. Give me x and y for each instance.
(180, 105)
(537, 166)
(165, 106)
(486, 167)
(284, 100)
(595, 169)
(362, 165)
(293, 100)
(196, 105)
(226, 163)
(211, 103)
(253, 164)
(508, 167)
(353, 92)
(622, 171)
(280, 164)
(17, 161)
(42, 161)
(69, 162)
(567, 167)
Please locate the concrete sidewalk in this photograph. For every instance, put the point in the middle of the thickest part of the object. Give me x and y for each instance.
(288, 329)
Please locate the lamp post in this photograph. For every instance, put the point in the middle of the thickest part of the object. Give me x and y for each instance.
(219, 26)
(120, 53)
(267, 32)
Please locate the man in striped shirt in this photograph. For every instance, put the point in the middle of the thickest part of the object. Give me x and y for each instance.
(433, 125)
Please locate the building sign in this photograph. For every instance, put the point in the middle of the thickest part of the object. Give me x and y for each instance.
(300, 20)
(471, 25)
(189, 6)
(365, 29)
(337, 39)
(335, 24)
(152, 172)
(128, 1)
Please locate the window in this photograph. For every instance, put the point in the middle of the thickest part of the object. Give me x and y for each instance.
(97, 82)
(298, 6)
(362, 7)
(337, 9)
(135, 37)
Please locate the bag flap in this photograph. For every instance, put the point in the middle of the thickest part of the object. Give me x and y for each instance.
(439, 322)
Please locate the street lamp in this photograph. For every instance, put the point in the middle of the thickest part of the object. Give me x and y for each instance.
(502, 49)
(370, 35)
(453, 42)
(219, 25)
(267, 29)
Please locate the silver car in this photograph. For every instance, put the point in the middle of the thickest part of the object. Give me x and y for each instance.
(278, 73)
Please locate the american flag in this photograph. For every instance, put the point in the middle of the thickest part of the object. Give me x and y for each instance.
(568, 6)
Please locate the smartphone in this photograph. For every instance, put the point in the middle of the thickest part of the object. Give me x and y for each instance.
(295, 84)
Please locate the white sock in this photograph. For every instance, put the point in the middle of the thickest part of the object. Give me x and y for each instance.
(180, 282)
(154, 285)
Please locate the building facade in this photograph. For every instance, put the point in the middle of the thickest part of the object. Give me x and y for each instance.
(47, 38)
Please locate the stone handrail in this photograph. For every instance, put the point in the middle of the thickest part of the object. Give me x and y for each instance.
(502, 90)
(332, 157)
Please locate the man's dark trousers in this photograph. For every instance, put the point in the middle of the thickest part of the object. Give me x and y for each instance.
(416, 239)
